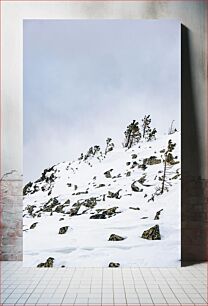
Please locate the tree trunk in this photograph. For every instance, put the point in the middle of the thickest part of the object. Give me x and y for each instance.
(128, 140)
(144, 130)
(164, 173)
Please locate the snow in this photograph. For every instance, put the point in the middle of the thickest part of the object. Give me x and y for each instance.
(86, 244)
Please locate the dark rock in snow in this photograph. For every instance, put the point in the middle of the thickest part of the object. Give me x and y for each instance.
(98, 216)
(35, 189)
(134, 156)
(153, 233)
(128, 163)
(30, 209)
(142, 179)
(33, 225)
(105, 213)
(143, 166)
(114, 237)
(47, 264)
(134, 208)
(135, 188)
(89, 203)
(80, 192)
(59, 209)
(73, 211)
(128, 173)
(108, 173)
(135, 164)
(27, 188)
(63, 230)
(61, 219)
(114, 194)
(101, 185)
(157, 216)
(114, 265)
(152, 160)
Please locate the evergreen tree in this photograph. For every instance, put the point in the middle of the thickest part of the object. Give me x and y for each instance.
(132, 134)
(168, 161)
(92, 151)
(109, 145)
(147, 132)
(151, 135)
(145, 125)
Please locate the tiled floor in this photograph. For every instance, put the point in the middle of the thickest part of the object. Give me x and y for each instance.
(97, 286)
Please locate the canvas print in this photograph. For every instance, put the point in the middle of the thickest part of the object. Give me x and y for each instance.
(102, 143)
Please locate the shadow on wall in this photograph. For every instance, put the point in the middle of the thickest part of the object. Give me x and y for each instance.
(193, 209)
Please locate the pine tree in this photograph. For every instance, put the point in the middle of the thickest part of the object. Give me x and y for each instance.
(132, 134)
(145, 125)
(151, 135)
(168, 162)
(109, 145)
(147, 132)
(92, 151)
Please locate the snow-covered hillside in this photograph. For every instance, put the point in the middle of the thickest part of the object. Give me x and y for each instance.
(71, 211)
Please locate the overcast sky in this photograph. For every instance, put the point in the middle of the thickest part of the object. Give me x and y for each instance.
(87, 80)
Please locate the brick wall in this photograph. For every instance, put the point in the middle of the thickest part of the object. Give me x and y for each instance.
(11, 219)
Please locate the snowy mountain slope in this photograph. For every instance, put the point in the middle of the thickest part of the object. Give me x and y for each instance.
(113, 193)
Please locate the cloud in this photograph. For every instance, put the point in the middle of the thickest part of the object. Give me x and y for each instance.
(86, 80)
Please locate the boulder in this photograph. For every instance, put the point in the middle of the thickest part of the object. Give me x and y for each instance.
(33, 225)
(101, 185)
(30, 209)
(63, 230)
(152, 160)
(90, 203)
(135, 188)
(128, 163)
(98, 216)
(134, 164)
(142, 179)
(143, 166)
(134, 156)
(157, 216)
(27, 188)
(114, 265)
(134, 208)
(105, 213)
(108, 173)
(47, 264)
(114, 237)
(153, 233)
(80, 192)
(59, 209)
(114, 194)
